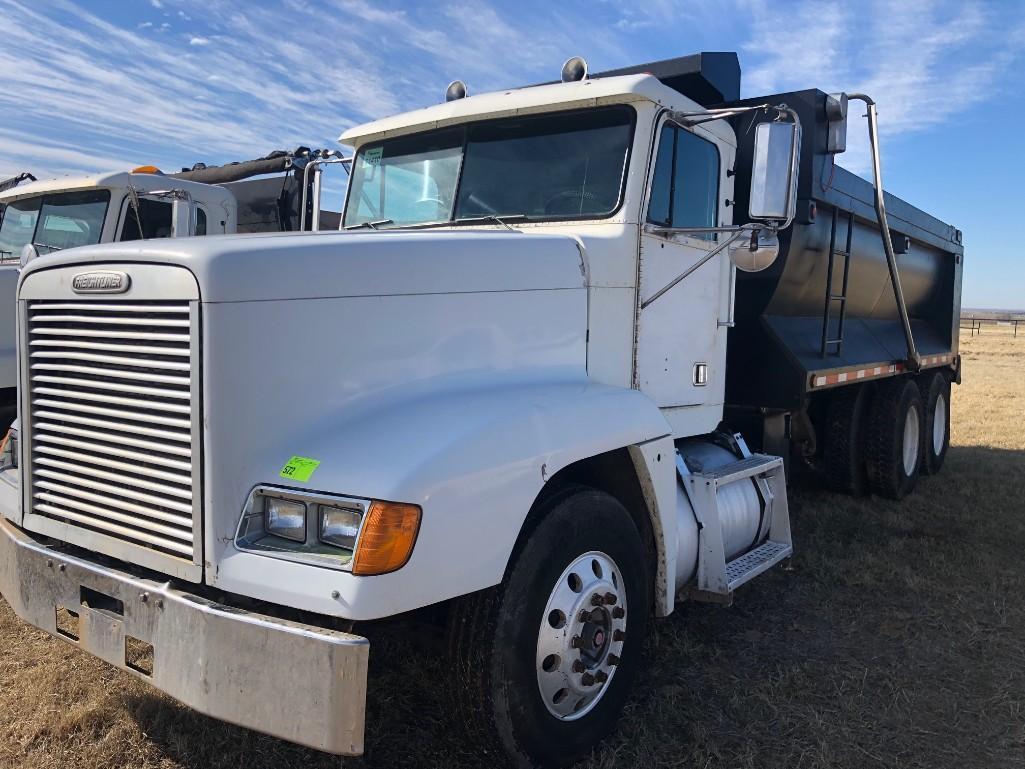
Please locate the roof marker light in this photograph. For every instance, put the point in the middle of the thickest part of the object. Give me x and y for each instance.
(147, 170)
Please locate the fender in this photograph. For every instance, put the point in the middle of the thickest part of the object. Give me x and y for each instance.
(473, 457)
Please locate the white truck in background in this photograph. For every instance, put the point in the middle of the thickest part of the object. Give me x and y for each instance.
(504, 388)
(70, 211)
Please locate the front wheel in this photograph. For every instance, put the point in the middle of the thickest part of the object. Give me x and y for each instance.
(544, 662)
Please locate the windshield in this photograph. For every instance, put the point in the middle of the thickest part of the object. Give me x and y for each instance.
(556, 166)
(53, 222)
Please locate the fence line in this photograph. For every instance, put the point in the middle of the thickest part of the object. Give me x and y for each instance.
(975, 324)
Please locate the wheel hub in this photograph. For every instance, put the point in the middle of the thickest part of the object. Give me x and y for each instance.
(581, 635)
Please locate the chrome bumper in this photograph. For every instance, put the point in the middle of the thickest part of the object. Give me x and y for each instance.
(298, 682)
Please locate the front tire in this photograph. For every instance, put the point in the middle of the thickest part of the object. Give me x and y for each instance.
(543, 663)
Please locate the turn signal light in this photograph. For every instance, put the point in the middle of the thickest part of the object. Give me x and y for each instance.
(387, 539)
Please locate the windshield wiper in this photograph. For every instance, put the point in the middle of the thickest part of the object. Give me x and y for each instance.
(372, 225)
(44, 245)
(495, 219)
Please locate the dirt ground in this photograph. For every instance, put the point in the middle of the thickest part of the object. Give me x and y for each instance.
(897, 639)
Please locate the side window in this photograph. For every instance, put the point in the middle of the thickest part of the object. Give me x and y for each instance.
(685, 185)
(153, 220)
(200, 221)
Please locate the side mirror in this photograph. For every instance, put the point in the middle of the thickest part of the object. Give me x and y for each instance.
(774, 172)
(28, 253)
(755, 253)
(183, 217)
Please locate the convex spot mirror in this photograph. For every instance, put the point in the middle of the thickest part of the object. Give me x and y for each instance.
(774, 172)
(754, 251)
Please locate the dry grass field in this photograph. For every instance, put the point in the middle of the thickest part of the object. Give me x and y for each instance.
(897, 639)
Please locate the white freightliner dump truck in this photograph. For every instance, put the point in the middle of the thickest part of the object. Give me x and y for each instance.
(503, 388)
(71, 211)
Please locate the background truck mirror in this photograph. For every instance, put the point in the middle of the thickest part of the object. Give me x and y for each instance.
(774, 172)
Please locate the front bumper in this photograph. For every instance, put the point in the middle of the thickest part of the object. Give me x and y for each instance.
(298, 682)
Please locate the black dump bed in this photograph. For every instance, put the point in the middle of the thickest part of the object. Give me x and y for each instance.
(782, 345)
(776, 354)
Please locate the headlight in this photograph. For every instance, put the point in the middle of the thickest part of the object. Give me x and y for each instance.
(364, 536)
(339, 527)
(285, 518)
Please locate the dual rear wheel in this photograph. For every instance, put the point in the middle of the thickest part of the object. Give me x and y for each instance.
(881, 437)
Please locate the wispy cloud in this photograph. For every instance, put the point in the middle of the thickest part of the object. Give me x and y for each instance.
(923, 61)
(234, 79)
(247, 78)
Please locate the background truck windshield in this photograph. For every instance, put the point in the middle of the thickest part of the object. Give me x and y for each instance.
(53, 222)
(556, 166)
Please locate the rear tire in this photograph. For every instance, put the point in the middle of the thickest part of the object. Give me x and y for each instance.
(843, 437)
(893, 452)
(516, 681)
(935, 390)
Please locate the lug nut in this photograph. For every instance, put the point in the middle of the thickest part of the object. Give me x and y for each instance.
(601, 676)
(618, 613)
(584, 615)
(578, 666)
(610, 599)
(576, 642)
(587, 679)
(597, 600)
(612, 659)
(618, 635)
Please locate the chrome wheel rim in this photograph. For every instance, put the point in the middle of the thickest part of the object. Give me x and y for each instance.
(580, 639)
(939, 425)
(912, 431)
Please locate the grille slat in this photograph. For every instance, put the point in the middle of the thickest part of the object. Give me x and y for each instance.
(110, 320)
(116, 425)
(166, 448)
(171, 491)
(137, 349)
(176, 408)
(81, 358)
(106, 384)
(134, 511)
(113, 439)
(125, 532)
(106, 488)
(99, 452)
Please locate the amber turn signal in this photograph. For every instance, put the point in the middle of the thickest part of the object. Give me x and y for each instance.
(387, 539)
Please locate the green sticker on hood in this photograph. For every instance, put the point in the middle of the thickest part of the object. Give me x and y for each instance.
(299, 468)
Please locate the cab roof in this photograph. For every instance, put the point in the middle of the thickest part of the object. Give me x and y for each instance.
(111, 179)
(623, 89)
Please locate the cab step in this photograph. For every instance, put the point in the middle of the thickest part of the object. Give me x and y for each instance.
(746, 567)
(717, 578)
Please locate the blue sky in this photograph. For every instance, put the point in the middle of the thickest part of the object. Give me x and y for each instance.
(111, 84)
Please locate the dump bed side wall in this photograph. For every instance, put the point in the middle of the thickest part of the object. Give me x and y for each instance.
(775, 349)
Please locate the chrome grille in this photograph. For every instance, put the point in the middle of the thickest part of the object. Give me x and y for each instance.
(111, 427)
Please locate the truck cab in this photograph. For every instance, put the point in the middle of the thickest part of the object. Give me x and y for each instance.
(498, 390)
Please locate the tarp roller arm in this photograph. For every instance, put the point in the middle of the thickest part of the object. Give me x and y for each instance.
(914, 360)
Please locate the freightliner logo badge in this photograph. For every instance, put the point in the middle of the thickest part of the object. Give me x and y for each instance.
(100, 283)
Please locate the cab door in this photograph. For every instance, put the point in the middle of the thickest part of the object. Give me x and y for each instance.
(681, 336)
